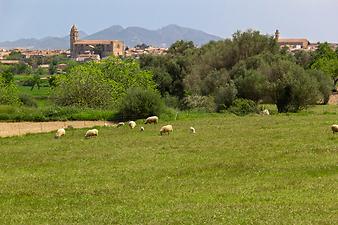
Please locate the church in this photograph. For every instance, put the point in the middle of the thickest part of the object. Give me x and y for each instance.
(102, 48)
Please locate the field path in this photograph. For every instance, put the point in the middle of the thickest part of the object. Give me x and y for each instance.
(22, 128)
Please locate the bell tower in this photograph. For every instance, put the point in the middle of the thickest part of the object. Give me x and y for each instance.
(277, 35)
(74, 36)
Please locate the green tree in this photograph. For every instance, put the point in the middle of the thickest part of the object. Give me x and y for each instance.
(8, 92)
(326, 60)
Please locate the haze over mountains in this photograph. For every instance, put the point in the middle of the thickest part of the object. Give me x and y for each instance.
(131, 36)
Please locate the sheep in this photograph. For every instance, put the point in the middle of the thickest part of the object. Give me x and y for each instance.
(151, 119)
(334, 128)
(132, 124)
(106, 125)
(265, 112)
(142, 129)
(120, 124)
(60, 132)
(166, 129)
(92, 133)
(192, 130)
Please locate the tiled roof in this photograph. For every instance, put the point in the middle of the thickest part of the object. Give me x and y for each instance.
(293, 40)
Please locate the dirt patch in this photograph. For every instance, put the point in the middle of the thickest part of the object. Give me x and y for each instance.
(22, 128)
(333, 99)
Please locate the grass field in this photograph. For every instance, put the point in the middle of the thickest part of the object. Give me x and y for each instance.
(280, 169)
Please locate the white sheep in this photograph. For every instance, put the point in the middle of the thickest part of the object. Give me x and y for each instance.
(142, 129)
(132, 124)
(166, 129)
(106, 125)
(151, 119)
(60, 132)
(120, 124)
(192, 130)
(92, 133)
(265, 112)
(334, 128)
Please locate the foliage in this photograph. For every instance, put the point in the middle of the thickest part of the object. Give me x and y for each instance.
(27, 100)
(140, 103)
(292, 88)
(100, 84)
(199, 103)
(85, 86)
(170, 70)
(326, 60)
(8, 92)
(243, 107)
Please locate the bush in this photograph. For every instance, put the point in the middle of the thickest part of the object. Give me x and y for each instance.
(28, 100)
(199, 103)
(243, 107)
(8, 93)
(140, 103)
(225, 96)
(85, 87)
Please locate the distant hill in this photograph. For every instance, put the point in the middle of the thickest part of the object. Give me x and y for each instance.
(131, 36)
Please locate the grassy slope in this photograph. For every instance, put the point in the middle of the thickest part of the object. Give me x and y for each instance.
(236, 170)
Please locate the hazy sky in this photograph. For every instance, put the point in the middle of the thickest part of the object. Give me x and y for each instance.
(316, 20)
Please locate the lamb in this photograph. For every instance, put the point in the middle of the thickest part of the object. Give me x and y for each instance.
(151, 119)
(265, 112)
(166, 129)
(60, 132)
(120, 124)
(334, 128)
(142, 129)
(192, 130)
(132, 124)
(92, 133)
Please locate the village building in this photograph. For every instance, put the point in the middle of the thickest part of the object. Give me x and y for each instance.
(292, 43)
(93, 48)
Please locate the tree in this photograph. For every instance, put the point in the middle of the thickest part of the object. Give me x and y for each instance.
(326, 60)
(101, 84)
(8, 92)
(292, 88)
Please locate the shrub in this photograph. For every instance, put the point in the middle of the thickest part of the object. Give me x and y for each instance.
(225, 96)
(199, 103)
(27, 100)
(140, 103)
(243, 107)
(8, 93)
(85, 87)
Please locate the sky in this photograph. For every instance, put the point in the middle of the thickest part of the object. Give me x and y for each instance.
(316, 20)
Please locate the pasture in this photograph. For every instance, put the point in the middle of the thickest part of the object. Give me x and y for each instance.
(280, 169)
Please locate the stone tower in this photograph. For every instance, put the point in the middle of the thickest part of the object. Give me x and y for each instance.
(277, 35)
(74, 36)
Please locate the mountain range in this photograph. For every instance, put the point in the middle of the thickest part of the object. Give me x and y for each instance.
(131, 36)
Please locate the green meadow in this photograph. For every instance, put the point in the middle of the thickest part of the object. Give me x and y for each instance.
(279, 169)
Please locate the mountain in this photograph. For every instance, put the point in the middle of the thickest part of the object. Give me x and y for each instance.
(131, 36)
(163, 37)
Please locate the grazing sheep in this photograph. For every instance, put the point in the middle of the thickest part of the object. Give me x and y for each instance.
(60, 132)
(92, 133)
(334, 128)
(120, 124)
(142, 129)
(132, 124)
(265, 112)
(166, 129)
(151, 119)
(192, 130)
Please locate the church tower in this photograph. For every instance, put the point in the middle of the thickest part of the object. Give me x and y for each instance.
(277, 35)
(74, 36)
